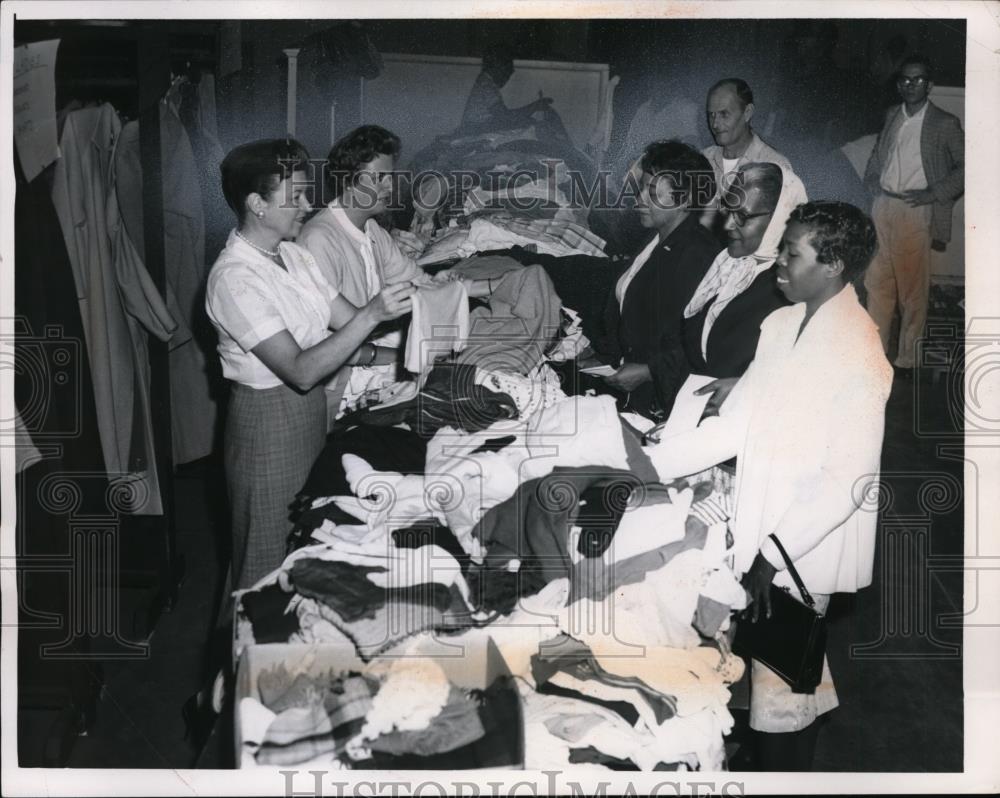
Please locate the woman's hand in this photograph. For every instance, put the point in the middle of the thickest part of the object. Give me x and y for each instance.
(392, 302)
(587, 359)
(629, 377)
(719, 390)
(757, 583)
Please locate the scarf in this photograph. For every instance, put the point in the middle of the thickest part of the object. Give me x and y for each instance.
(728, 277)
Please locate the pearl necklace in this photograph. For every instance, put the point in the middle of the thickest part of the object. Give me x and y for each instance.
(271, 253)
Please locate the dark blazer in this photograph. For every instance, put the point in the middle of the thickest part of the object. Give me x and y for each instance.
(942, 153)
(731, 345)
(655, 299)
(654, 304)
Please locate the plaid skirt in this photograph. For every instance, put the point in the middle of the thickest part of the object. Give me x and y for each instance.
(273, 436)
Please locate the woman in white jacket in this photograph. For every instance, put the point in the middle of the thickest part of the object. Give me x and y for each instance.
(805, 423)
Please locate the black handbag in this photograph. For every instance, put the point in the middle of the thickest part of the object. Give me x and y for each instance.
(792, 641)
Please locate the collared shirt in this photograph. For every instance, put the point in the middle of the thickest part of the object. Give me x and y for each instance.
(758, 151)
(904, 168)
(358, 264)
(249, 298)
(652, 304)
(356, 261)
(365, 244)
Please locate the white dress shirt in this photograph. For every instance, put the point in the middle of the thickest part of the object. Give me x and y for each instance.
(904, 169)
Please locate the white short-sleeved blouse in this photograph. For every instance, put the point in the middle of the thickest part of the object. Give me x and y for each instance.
(250, 298)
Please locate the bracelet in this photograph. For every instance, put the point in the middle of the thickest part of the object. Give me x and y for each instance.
(360, 356)
(374, 355)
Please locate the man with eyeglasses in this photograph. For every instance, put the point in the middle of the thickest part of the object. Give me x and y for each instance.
(916, 173)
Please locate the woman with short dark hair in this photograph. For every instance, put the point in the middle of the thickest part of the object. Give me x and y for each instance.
(675, 183)
(805, 423)
(356, 255)
(274, 312)
(350, 155)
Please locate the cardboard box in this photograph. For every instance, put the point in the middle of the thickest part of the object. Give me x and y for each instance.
(475, 665)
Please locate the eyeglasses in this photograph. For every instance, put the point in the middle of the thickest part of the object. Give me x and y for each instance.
(740, 217)
(917, 80)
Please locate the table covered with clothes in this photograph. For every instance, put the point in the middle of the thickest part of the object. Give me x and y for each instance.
(480, 508)
(606, 593)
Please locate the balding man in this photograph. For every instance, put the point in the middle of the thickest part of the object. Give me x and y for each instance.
(729, 109)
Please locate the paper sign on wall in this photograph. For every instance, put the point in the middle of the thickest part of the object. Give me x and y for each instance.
(35, 106)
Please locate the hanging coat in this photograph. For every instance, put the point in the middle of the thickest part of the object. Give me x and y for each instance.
(192, 403)
(117, 306)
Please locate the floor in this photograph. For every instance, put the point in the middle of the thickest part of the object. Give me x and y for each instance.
(896, 662)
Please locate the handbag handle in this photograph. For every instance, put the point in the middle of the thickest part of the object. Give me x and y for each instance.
(806, 596)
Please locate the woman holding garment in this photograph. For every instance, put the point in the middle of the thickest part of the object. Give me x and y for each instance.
(282, 330)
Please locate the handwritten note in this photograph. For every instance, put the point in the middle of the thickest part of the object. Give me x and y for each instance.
(35, 106)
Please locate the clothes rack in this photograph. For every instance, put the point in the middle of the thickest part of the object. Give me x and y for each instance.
(134, 576)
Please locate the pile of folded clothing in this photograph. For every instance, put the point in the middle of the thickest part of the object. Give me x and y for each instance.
(319, 707)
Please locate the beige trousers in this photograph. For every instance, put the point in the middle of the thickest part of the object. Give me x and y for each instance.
(900, 273)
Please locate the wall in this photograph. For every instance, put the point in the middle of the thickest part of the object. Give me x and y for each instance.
(422, 97)
(649, 55)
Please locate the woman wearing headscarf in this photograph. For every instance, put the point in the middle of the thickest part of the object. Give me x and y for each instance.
(718, 335)
(805, 423)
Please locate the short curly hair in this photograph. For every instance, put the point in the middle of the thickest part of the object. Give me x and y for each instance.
(841, 232)
(354, 150)
(689, 170)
